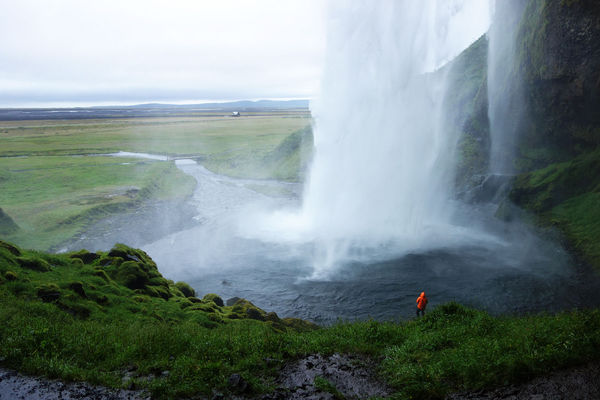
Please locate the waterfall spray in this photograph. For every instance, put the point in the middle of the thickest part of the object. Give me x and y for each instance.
(381, 170)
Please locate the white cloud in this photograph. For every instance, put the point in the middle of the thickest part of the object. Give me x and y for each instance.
(119, 50)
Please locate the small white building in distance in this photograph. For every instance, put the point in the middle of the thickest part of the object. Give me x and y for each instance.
(235, 114)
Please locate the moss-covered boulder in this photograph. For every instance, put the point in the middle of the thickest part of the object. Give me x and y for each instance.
(185, 289)
(12, 249)
(85, 256)
(11, 276)
(214, 298)
(48, 293)
(77, 287)
(134, 269)
(34, 263)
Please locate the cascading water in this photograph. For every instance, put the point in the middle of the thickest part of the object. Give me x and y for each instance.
(383, 162)
(506, 106)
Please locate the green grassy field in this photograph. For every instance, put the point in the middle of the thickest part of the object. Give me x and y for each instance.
(52, 190)
(96, 316)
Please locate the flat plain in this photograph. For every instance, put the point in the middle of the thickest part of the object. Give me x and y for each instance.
(57, 176)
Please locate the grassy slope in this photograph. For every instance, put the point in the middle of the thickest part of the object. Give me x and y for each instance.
(82, 316)
(567, 195)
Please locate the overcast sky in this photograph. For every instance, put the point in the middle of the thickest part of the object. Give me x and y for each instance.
(74, 52)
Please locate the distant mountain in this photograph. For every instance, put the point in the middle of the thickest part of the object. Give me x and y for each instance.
(149, 110)
(233, 105)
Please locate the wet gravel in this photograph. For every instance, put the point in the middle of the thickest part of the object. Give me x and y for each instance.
(580, 383)
(17, 386)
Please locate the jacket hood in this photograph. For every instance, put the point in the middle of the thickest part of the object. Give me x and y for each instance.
(422, 294)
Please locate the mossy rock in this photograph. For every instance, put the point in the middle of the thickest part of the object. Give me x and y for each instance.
(209, 307)
(85, 256)
(75, 308)
(299, 325)
(11, 248)
(158, 291)
(48, 292)
(130, 254)
(215, 318)
(131, 274)
(272, 316)
(195, 300)
(232, 301)
(159, 281)
(254, 313)
(99, 298)
(186, 289)
(214, 298)
(101, 274)
(11, 276)
(77, 287)
(185, 304)
(34, 263)
(140, 298)
(244, 307)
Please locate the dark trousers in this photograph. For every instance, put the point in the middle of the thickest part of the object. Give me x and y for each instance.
(420, 311)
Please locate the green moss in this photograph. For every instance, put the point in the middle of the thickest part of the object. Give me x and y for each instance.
(12, 249)
(85, 256)
(214, 298)
(11, 276)
(34, 263)
(77, 287)
(131, 274)
(579, 219)
(48, 292)
(566, 195)
(186, 289)
(299, 325)
(101, 274)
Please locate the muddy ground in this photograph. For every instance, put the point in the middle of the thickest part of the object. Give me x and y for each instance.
(350, 376)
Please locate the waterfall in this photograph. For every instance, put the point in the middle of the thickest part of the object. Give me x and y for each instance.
(382, 168)
(506, 106)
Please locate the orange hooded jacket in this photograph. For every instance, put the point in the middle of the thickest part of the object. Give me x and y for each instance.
(422, 301)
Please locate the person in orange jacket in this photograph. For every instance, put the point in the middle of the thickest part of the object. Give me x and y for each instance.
(421, 304)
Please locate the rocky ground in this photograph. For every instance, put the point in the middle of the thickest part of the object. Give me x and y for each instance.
(581, 383)
(17, 386)
(338, 376)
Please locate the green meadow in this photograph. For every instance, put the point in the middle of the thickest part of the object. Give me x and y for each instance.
(56, 177)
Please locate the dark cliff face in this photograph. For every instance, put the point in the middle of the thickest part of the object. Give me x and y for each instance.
(558, 62)
(466, 116)
(559, 56)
